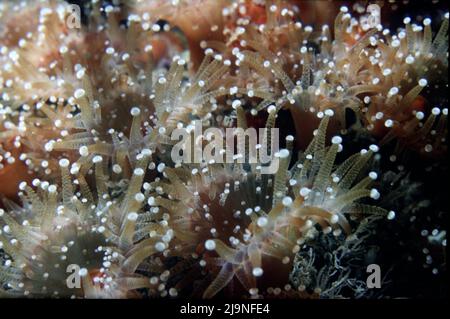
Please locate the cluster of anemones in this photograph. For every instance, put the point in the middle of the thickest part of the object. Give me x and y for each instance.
(85, 141)
(387, 79)
(65, 228)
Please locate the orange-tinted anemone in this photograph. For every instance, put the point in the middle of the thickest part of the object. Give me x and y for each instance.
(199, 20)
(379, 128)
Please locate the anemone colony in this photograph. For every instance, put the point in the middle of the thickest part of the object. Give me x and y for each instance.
(86, 176)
